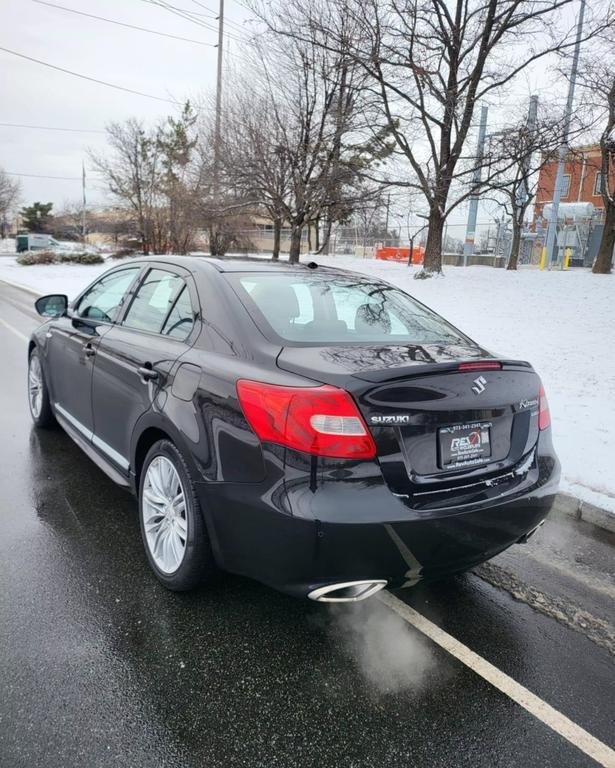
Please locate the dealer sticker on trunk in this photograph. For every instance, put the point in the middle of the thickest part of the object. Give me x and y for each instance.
(464, 444)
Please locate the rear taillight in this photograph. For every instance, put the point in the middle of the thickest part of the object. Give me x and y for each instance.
(486, 365)
(320, 420)
(544, 415)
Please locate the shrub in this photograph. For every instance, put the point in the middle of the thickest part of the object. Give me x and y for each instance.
(79, 258)
(53, 257)
(36, 257)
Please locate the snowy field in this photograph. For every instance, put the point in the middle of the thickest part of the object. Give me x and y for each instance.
(562, 322)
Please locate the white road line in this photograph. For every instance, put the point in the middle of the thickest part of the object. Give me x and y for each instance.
(555, 720)
(13, 330)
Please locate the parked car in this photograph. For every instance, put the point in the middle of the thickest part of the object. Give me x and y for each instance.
(315, 429)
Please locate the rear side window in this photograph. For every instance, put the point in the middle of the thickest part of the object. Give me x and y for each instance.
(153, 301)
(331, 308)
(181, 317)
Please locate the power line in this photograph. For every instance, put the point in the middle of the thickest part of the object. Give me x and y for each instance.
(186, 15)
(122, 24)
(86, 77)
(181, 13)
(51, 128)
(210, 14)
(38, 176)
(214, 15)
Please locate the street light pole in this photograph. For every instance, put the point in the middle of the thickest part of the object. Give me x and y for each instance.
(563, 149)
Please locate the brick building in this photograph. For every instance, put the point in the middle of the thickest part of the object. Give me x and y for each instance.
(581, 179)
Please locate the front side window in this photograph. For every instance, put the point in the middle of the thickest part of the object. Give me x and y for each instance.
(153, 301)
(103, 300)
(331, 308)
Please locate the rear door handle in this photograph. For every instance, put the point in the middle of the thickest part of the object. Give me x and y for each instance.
(89, 350)
(147, 374)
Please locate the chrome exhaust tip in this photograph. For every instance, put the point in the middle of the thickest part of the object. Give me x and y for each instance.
(527, 536)
(347, 591)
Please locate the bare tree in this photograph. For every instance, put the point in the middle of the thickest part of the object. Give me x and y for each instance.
(255, 165)
(513, 160)
(430, 63)
(10, 190)
(597, 80)
(299, 137)
(68, 221)
(132, 171)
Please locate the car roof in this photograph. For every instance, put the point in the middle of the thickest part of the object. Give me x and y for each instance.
(238, 264)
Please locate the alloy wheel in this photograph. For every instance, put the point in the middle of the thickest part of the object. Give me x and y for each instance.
(35, 386)
(163, 506)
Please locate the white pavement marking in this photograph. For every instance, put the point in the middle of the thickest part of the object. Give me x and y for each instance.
(13, 330)
(558, 722)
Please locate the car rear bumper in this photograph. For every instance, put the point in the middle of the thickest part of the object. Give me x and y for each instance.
(299, 536)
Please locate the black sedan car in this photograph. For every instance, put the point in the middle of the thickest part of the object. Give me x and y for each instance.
(315, 429)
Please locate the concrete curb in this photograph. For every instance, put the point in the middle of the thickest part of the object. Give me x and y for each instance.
(583, 510)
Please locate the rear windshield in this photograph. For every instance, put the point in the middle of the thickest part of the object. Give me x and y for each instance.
(323, 307)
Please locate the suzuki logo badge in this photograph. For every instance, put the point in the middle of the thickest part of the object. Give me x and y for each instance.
(479, 385)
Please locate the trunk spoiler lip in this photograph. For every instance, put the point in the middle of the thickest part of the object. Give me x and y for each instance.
(391, 375)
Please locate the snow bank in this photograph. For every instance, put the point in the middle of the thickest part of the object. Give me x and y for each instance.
(562, 322)
(52, 278)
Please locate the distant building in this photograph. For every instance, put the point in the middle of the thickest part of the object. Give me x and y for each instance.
(581, 180)
(581, 213)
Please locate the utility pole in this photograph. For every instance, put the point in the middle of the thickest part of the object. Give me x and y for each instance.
(83, 202)
(468, 246)
(532, 114)
(563, 149)
(216, 184)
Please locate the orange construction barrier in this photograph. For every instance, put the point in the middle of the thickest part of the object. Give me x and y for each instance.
(389, 253)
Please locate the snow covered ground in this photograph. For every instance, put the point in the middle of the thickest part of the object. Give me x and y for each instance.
(562, 322)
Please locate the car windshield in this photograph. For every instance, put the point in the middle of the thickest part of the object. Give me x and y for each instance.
(328, 307)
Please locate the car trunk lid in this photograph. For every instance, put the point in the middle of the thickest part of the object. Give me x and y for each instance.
(447, 422)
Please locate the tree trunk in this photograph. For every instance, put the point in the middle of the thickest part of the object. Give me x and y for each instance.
(324, 248)
(277, 232)
(295, 243)
(604, 259)
(143, 234)
(317, 235)
(309, 237)
(213, 241)
(433, 248)
(516, 243)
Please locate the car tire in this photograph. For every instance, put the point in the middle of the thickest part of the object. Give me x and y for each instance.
(167, 521)
(38, 393)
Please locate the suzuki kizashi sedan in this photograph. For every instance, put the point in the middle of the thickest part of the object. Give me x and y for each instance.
(315, 429)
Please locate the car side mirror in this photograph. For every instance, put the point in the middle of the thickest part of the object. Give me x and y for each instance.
(54, 305)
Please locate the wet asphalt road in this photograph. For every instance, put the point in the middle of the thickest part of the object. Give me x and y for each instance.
(100, 666)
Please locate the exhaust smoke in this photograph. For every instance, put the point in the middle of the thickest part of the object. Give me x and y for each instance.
(389, 654)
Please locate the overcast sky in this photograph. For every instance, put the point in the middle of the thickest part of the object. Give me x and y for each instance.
(33, 94)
